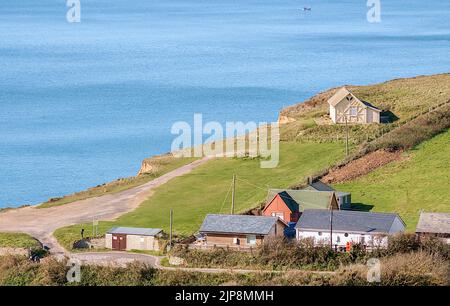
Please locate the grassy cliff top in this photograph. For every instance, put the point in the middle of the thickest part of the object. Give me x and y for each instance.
(404, 97)
(401, 99)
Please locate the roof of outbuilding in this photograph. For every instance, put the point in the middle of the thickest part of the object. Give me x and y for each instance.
(238, 224)
(438, 223)
(135, 231)
(319, 186)
(347, 221)
(305, 198)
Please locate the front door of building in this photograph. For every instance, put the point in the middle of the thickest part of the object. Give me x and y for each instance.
(119, 242)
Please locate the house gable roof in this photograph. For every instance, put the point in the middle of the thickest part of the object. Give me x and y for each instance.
(347, 221)
(135, 231)
(238, 224)
(342, 93)
(338, 96)
(307, 199)
(287, 199)
(438, 223)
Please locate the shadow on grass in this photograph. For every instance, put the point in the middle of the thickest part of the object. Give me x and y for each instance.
(388, 117)
(361, 207)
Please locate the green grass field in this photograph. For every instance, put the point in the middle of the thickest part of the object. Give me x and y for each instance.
(17, 240)
(421, 181)
(205, 189)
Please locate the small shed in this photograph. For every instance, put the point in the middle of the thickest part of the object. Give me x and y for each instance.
(434, 224)
(133, 238)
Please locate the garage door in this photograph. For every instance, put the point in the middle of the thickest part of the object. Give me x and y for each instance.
(119, 242)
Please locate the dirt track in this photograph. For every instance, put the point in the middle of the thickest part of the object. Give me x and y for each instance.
(361, 166)
(42, 222)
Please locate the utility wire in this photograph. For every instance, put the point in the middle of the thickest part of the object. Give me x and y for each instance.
(226, 197)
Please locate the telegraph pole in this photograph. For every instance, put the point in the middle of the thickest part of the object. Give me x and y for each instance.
(346, 136)
(171, 222)
(233, 194)
(331, 228)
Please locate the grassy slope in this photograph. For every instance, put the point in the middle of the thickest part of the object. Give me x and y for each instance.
(164, 164)
(422, 181)
(17, 240)
(203, 191)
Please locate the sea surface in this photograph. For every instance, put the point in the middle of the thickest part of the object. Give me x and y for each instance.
(83, 103)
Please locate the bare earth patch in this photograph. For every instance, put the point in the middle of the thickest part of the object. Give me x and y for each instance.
(361, 166)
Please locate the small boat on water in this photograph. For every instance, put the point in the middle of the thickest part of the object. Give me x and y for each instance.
(306, 9)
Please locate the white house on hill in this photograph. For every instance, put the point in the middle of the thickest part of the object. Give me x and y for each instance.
(345, 106)
(348, 227)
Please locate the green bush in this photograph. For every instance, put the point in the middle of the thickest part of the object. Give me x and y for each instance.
(415, 131)
(275, 253)
(403, 243)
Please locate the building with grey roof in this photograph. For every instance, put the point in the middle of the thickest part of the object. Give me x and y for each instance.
(239, 230)
(434, 224)
(135, 231)
(345, 227)
(133, 238)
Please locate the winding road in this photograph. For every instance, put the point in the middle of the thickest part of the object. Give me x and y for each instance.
(42, 222)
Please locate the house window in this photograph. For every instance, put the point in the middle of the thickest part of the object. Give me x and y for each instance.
(142, 239)
(338, 239)
(251, 239)
(320, 233)
(236, 241)
(346, 234)
(353, 111)
(278, 214)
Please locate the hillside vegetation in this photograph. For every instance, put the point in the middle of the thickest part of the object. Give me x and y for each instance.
(401, 99)
(17, 240)
(310, 148)
(419, 181)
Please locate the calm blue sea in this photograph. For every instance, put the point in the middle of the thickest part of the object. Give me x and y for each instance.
(83, 104)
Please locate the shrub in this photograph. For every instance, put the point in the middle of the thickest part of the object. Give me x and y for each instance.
(415, 131)
(403, 243)
(410, 269)
(274, 253)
